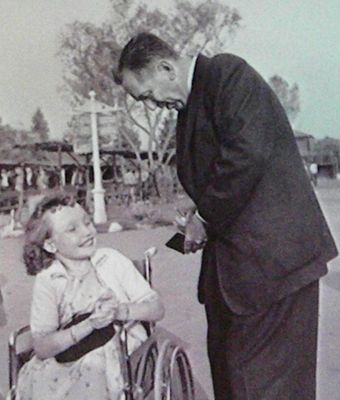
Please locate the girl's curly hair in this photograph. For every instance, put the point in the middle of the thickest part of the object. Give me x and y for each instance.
(38, 229)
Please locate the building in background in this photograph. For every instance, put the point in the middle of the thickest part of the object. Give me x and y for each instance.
(325, 153)
(306, 144)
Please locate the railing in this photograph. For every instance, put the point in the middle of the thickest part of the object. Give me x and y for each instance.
(10, 199)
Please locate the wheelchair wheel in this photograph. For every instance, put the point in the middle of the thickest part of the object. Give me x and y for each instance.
(143, 381)
(173, 376)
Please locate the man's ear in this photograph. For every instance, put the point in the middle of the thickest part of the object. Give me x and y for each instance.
(49, 246)
(168, 67)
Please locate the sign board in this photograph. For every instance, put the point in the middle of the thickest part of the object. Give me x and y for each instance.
(82, 142)
(106, 126)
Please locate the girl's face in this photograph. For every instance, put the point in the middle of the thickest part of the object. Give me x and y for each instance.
(73, 235)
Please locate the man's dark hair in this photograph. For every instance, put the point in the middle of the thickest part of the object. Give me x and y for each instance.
(139, 52)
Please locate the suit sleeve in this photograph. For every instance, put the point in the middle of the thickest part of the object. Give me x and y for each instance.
(242, 125)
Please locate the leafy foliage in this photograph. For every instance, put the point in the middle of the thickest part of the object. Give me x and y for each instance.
(86, 52)
(89, 53)
(10, 136)
(189, 26)
(289, 96)
(40, 126)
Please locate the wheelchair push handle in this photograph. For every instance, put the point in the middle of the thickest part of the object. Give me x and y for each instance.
(151, 252)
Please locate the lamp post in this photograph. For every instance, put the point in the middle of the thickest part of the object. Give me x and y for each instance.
(94, 107)
(99, 215)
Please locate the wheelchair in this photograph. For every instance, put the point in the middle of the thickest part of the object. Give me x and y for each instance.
(158, 370)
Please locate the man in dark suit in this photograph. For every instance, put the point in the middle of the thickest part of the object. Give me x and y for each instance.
(266, 242)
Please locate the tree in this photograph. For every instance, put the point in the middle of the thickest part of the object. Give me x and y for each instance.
(10, 136)
(40, 126)
(289, 96)
(190, 27)
(89, 53)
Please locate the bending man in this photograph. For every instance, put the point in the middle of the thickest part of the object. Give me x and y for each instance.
(266, 242)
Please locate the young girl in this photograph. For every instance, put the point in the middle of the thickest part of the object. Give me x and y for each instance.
(79, 292)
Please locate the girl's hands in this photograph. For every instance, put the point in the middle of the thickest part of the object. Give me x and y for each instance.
(105, 311)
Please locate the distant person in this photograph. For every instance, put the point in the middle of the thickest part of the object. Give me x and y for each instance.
(265, 240)
(80, 183)
(53, 178)
(35, 173)
(11, 178)
(79, 293)
(19, 187)
(4, 180)
(19, 179)
(29, 177)
(74, 177)
(130, 179)
(63, 177)
(42, 179)
(313, 168)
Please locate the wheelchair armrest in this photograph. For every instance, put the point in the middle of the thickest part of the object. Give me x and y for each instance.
(150, 252)
(125, 326)
(14, 335)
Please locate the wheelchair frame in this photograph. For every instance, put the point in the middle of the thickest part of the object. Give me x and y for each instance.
(157, 370)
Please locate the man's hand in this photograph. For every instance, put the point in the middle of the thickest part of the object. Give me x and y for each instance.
(182, 218)
(195, 235)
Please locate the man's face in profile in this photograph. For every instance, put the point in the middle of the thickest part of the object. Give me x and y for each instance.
(157, 86)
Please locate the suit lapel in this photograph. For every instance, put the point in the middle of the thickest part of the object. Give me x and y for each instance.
(186, 124)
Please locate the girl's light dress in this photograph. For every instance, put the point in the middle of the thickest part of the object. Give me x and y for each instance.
(57, 296)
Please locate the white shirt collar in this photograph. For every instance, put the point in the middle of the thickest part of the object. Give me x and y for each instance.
(191, 72)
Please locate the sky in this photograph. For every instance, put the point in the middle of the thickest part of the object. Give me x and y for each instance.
(298, 40)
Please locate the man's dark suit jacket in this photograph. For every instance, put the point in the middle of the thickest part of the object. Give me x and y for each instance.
(238, 160)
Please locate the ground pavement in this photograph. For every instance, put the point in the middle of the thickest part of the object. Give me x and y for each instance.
(175, 276)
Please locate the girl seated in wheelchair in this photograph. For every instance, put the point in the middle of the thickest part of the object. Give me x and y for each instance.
(79, 293)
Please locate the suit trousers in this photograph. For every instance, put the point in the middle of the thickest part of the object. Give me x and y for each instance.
(269, 355)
